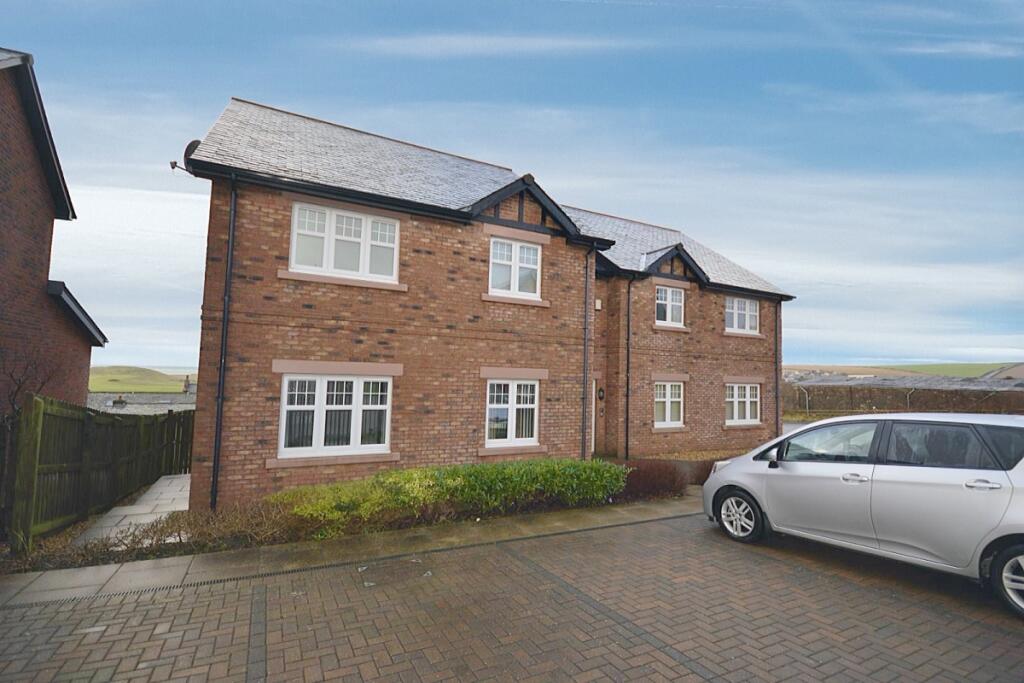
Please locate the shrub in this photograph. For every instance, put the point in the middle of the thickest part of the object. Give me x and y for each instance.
(700, 470)
(649, 478)
(399, 498)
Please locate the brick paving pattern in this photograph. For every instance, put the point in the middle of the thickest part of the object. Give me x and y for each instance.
(659, 601)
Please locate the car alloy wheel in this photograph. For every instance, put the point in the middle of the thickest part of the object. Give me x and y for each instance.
(1013, 580)
(738, 517)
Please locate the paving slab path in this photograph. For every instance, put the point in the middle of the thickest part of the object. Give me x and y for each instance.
(167, 494)
(666, 599)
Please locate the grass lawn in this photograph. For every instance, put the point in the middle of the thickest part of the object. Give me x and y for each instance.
(127, 379)
(950, 369)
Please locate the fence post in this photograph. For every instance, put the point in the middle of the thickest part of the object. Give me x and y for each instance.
(26, 452)
(85, 482)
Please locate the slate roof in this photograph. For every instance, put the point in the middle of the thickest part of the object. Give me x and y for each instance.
(638, 245)
(272, 142)
(254, 137)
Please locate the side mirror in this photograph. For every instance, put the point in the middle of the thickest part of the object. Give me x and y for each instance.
(773, 458)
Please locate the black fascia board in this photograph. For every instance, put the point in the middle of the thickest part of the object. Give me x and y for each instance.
(760, 293)
(679, 251)
(32, 103)
(209, 170)
(58, 290)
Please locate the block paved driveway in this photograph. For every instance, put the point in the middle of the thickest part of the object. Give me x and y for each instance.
(665, 600)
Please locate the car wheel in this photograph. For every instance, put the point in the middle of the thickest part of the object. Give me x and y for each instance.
(740, 517)
(1008, 577)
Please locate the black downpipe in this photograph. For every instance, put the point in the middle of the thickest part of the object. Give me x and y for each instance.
(778, 367)
(586, 355)
(629, 335)
(222, 367)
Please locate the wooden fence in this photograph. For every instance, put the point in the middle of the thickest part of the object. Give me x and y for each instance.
(70, 462)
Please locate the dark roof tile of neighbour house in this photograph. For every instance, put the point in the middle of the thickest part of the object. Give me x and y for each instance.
(32, 102)
(59, 291)
(273, 143)
(639, 245)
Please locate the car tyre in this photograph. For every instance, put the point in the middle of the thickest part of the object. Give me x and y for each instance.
(1007, 577)
(740, 517)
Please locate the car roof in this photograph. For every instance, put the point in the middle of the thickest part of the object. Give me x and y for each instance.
(970, 418)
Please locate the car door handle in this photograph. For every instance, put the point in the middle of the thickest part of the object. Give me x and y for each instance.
(982, 484)
(855, 478)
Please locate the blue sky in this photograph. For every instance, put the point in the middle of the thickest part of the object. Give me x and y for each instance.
(866, 156)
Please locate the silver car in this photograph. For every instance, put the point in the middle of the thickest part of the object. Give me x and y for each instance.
(944, 491)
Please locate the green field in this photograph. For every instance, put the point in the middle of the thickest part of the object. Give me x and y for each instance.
(950, 369)
(128, 379)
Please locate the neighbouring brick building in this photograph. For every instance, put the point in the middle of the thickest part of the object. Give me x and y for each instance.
(390, 305)
(46, 337)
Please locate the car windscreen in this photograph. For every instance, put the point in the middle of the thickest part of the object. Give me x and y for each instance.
(1008, 443)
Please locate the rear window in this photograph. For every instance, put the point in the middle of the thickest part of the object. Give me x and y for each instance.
(937, 445)
(1008, 443)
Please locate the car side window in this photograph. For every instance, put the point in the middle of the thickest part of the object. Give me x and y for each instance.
(937, 445)
(834, 443)
(1008, 443)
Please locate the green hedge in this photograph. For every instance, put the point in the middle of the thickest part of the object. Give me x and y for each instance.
(429, 494)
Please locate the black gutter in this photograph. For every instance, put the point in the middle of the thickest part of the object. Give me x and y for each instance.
(59, 291)
(586, 351)
(205, 169)
(732, 289)
(222, 366)
(629, 326)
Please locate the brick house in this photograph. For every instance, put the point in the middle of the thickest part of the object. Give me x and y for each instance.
(389, 305)
(46, 337)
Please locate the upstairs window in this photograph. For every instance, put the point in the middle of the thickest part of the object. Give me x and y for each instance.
(335, 242)
(742, 404)
(668, 306)
(334, 415)
(515, 269)
(741, 315)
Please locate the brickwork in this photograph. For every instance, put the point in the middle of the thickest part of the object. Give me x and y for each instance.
(443, 332)
(440, 330)
(37, 338)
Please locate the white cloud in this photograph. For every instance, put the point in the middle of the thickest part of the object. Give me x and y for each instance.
(990, 112)
(452, 45)
(135, 259)
(964, 48)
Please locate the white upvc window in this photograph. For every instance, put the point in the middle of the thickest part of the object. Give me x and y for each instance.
(668, 306)
(331, 241)
(741, 315)
(742, 404)
(511, 413)
(515, 269)
(668, 404)
(334, 415)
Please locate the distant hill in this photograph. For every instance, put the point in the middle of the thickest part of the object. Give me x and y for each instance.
(938, 369)
(129, 379)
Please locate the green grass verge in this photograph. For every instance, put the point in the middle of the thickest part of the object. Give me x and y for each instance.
(127, 379)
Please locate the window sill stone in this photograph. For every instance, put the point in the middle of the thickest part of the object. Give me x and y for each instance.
(494, 298)
(285, 274)
(669, 430)
(512, 450)
(323, 460)
(748, 335)
(661, 327)
(752, 425)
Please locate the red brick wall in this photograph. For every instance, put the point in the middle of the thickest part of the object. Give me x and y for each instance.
(704, 352)
(440, 330)
(34, 330)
